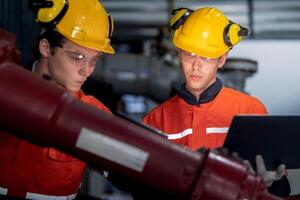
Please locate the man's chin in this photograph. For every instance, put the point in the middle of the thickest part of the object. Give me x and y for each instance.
(73, 89)
(196, 86)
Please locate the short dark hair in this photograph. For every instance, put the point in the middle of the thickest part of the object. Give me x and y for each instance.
(54, 38)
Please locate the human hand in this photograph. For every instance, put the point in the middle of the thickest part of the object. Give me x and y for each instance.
(268, 176)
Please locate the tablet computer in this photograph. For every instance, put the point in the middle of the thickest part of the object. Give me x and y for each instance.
(276, 138)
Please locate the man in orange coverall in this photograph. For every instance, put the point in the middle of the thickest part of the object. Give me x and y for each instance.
(200, 114)
(74, 36)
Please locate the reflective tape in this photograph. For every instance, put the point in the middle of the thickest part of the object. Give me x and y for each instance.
(217, 130)
(180, 135)
(35, 196)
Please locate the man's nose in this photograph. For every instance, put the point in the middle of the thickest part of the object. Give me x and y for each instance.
(85, 69)
(197, 63)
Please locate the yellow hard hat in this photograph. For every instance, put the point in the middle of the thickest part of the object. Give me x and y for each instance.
(205, 32)
(84, 22)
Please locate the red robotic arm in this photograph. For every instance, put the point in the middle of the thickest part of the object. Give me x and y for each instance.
(45, 114)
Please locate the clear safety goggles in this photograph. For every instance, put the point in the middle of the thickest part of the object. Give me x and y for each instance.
(191, 58)
(80, 59)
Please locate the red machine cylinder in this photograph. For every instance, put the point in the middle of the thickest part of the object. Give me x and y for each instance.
(38, 111)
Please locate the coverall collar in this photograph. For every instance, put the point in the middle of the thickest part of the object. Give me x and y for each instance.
(208, 95)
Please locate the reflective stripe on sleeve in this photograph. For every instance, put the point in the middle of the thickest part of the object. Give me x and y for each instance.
(217, 130)
(180, 135)
(3, 191)
(35, 196)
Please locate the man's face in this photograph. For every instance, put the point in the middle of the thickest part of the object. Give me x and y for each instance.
(71, 64)
(199, 72)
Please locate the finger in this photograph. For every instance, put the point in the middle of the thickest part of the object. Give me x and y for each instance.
(268, 178)
(247, 163)
(279, 172)
(260, 164)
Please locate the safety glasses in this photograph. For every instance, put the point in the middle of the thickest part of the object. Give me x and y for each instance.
(191, 58)
(80, 59)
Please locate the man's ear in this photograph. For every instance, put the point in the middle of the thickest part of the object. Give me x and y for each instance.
(222, 60)
(44, 48)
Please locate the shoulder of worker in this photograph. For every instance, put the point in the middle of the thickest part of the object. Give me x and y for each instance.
(167, 106)
(91, 100)
(242, 99)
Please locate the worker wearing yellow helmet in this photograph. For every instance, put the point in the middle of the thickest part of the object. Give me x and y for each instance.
(75, 34)
(200, 114)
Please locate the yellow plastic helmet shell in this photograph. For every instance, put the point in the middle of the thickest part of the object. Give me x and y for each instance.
(85, 23)
(203, 33)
